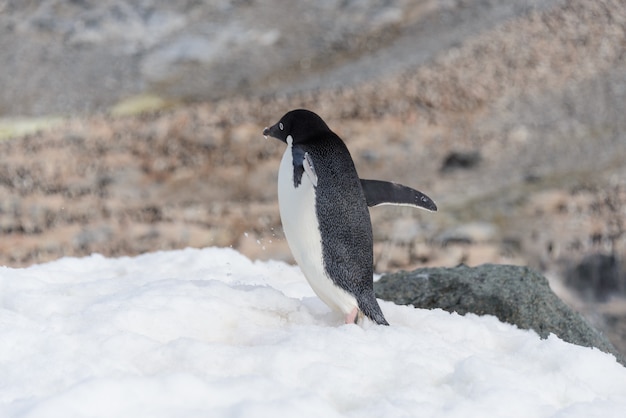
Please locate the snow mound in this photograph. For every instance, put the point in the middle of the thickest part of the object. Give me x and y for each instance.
(199, 333)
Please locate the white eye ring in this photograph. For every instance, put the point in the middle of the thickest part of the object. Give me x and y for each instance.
(280, 125)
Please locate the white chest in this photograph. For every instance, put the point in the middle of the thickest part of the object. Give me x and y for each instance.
(301, 227)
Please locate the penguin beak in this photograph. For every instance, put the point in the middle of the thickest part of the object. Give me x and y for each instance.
(273, 132)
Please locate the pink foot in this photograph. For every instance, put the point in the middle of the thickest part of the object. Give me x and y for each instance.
(351, 317)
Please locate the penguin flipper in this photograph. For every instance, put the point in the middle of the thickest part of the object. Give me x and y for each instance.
(307, 163)
(303, 163)
(378, 192)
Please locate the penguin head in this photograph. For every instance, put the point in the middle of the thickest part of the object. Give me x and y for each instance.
(301, 124)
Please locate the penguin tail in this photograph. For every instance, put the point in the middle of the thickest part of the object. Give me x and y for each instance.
(371, 309)
(379, 319)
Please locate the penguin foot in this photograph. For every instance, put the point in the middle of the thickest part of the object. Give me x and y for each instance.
(352, 317)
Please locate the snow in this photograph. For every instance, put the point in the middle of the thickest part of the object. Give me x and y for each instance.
(209, 333)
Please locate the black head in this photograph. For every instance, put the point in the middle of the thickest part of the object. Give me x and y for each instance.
(303, 125)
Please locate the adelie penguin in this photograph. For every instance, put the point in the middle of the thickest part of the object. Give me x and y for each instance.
(324, 211)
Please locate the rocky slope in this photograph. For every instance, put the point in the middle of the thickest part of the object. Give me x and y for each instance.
(69, 57)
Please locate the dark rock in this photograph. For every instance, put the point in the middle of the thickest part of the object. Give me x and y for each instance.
(460, 160)
(516, 295)
(597, 277)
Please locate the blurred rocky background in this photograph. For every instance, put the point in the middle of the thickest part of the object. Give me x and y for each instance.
(136, 126)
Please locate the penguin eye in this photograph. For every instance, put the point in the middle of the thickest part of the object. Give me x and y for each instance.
(280, 125)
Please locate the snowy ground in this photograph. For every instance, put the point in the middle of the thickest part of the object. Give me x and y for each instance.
(208, 333)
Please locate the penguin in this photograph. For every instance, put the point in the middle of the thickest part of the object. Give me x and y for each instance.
(323, 207)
